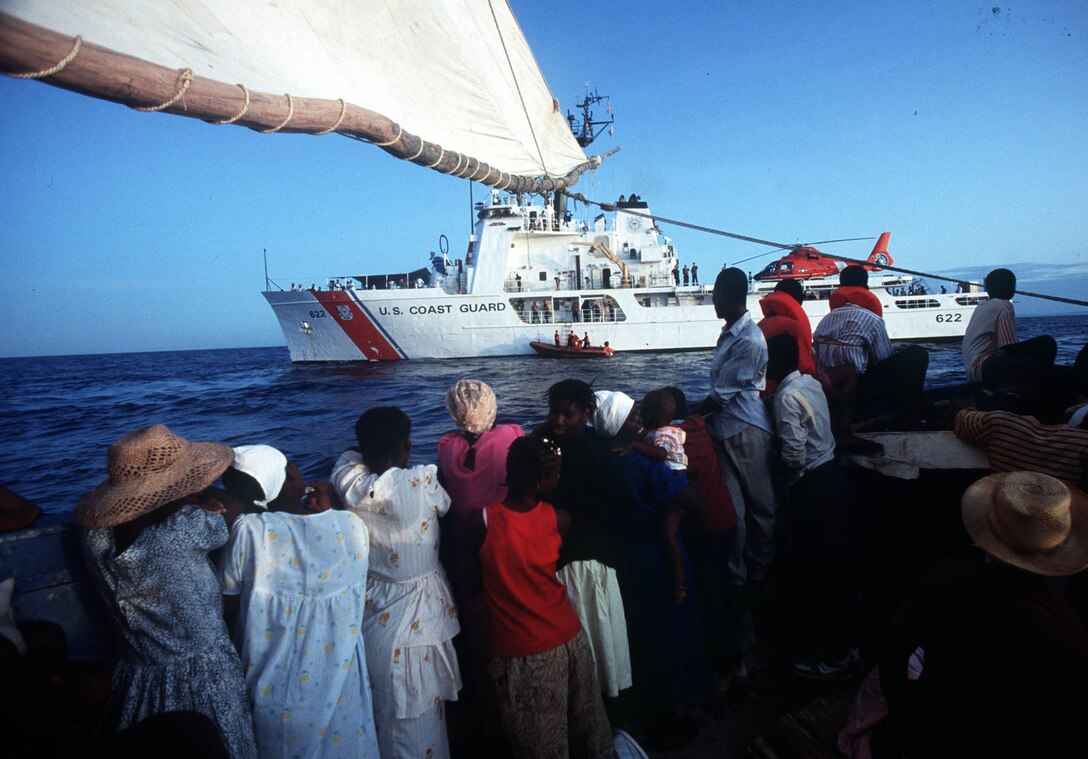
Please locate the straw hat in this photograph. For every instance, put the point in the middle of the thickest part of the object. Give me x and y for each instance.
(1029, 520)
(150, 468)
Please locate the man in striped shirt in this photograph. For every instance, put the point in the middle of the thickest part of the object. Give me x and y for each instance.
(853, 349)
(1021, 443)
(992, 354)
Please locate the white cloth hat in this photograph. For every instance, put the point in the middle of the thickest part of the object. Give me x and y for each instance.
(613, 408)
(266, 465)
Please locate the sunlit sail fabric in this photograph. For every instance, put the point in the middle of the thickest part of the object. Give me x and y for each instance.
(457, 73)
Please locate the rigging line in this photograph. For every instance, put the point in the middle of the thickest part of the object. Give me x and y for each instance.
(1043, 296)
(858, 261)
(677, 222)
(1057, 298)
(517, 86)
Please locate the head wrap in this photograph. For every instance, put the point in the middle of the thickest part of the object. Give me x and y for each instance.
(266, 465)
(472, 406)
(613, 408)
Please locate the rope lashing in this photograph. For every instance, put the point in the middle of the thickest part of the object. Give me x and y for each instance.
(468, 162)
(456, 166)
(400, 133)
(334, 127)
(441, 155)
(76, 45)
(185, 79)
(290, 113)
(241, 113)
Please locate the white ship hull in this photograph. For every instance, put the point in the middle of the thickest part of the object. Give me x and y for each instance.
(377, 325)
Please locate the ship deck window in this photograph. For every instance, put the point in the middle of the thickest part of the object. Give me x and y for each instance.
(917, 303)
(567, 310)
(971, 300)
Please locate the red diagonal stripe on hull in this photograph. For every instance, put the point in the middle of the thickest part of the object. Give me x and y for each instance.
(362, 331)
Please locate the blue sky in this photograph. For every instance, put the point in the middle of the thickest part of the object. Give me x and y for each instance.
(959, 127)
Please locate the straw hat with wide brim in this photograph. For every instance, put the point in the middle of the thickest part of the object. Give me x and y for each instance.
(150, 468)
(1029, 520)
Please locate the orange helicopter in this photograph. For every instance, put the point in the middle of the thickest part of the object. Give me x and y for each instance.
(806, 262)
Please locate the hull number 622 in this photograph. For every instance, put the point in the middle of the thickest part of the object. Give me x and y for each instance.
(945, 318)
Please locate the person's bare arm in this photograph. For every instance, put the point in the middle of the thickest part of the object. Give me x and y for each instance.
(670, 523)
(323, 497)
(706, 406)
(477, 531)
(648, 450)
(562, 523)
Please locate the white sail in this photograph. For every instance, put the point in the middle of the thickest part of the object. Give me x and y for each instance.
(457, 73)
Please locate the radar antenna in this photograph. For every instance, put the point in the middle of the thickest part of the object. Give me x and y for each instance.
(586, 129)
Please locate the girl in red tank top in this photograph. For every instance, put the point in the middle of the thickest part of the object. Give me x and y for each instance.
(545, 677)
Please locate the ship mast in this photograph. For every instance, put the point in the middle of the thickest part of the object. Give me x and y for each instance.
(586, 129)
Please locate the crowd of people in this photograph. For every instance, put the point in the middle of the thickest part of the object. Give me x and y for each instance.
(601, 570)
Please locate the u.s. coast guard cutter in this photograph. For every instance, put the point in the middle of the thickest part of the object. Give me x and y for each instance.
(531, 270)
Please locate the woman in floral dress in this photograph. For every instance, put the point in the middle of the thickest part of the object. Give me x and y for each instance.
(295, 578)
(410, 618)
(146, 541)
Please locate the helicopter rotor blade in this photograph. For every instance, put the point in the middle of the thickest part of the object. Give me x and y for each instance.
(761, 255)
(828, 242)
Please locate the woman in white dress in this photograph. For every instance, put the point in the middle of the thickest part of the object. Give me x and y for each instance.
(296, 575)
(410, 617)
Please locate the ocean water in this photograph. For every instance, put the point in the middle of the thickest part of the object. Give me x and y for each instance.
(59, 414)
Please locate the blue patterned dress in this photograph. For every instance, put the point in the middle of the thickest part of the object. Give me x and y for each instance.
(173, 650)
